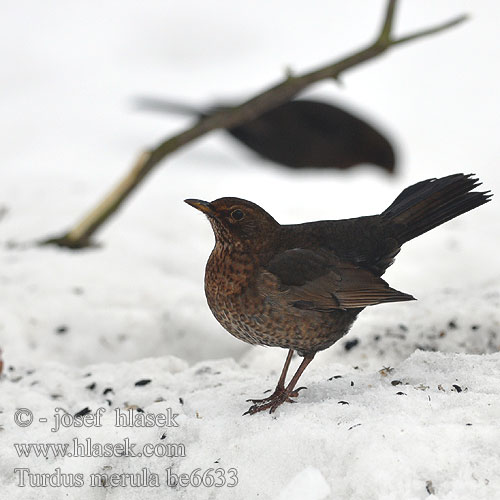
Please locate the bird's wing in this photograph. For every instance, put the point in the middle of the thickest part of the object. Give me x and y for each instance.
(319, 280)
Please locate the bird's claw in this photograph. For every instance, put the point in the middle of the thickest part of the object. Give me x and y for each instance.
(295, 392)
(277, 391)
(272, 402)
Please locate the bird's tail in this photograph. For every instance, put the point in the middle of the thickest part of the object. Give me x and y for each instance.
(428, 204)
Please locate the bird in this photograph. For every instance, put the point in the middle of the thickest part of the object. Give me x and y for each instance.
(301, 286)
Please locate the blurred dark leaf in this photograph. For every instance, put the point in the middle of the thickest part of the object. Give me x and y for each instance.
(315, 134)
(304, 133)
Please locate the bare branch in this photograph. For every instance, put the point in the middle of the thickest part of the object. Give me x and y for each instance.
(385, 34)
(80, 235)
(430, 31)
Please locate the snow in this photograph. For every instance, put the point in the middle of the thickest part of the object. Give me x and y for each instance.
(348, 438)
(409, 410)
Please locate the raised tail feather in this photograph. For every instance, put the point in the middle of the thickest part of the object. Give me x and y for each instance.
(428, 204)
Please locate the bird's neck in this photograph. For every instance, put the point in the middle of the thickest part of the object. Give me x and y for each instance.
(229, 269)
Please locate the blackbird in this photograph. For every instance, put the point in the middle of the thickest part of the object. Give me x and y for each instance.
(301, 286)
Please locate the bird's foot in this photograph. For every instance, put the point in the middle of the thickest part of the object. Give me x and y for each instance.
(277, 398)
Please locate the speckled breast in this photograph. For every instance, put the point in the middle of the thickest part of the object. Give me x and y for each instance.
(257, 318)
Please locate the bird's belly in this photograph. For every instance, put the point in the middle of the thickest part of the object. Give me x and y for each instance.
(256, 320)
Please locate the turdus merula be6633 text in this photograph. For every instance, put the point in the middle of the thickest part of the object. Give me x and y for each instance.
(301, 286)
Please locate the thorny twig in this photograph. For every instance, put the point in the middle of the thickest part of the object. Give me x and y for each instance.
(79, 236)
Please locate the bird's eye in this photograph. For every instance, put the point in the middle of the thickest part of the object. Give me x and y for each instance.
(237, 214)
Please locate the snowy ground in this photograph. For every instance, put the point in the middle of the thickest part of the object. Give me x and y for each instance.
(409, 410)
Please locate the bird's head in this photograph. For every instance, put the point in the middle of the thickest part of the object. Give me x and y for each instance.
(236, 221)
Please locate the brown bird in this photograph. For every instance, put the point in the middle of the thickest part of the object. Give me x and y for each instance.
(301, 286)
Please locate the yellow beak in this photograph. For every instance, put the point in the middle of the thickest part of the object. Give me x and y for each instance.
(202, 206)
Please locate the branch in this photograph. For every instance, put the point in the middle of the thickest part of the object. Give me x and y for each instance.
(431, 31)
(80, 235)
(385, 34)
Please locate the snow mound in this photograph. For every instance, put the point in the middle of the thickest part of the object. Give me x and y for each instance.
(426, 424)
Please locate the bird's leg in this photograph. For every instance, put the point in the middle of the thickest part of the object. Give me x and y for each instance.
(281, 381)
(281, 394)
(280, 387)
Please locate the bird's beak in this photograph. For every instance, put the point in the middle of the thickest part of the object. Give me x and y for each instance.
(203, 206)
